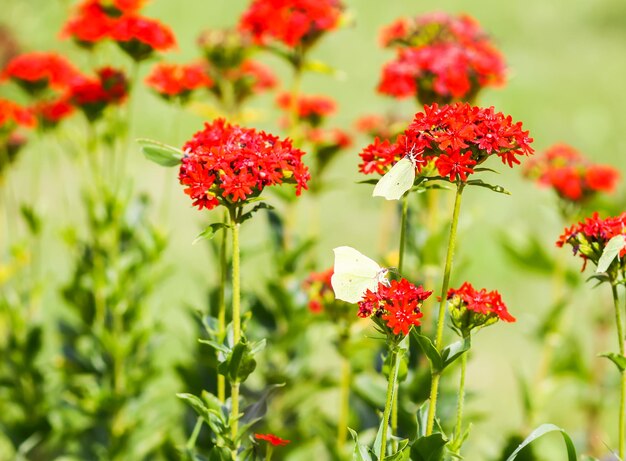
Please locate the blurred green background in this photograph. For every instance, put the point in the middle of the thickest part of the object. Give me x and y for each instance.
(567, 62)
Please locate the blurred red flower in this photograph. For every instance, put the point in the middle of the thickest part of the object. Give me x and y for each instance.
(311, 109)
(13, 115)
(51, 112)
(271, 438)
(170, 80)
(139, 37)
(292, 22)
(93, 94)
(38, 71)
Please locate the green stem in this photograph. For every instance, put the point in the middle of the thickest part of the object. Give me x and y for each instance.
(236, 305)
(435, 375)
(294, 116)
(459, 406)
(268, 452)
(344, 410)
(621, 434)
(191, 443)
(221, 313)
(391, 385)
(403, 223)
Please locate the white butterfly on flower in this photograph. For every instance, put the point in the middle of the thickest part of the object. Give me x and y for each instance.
(400, 177)
(354, 274)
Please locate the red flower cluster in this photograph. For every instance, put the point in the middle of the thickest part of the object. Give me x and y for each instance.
(292, 22)
(311, 109)
(271, 438)
(398, 304)
(176, 80)
(225, 48)
(471, 308)
(38, 71)
(93, 95)
(51, 112)
(13, 115)
(118, 20)
(440, 58)
(250, 78)
(226, 164)
(572, 176)
(319, 289)
(589, 237)
(454, 138)
(333, 138)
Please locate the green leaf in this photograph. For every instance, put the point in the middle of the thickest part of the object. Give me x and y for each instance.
(239, 364)
(422, 418)
(361, 452)
(617, 359)
(220, 454)
(427, 346)
(33, 220)
(541, 431)
(611, 251)
(455, 350)
(378, 448)
(372, 182)
(196, 403)
(210, 232)
(429, 448)
(322, 68)
(160, 153)
(481, 183)
(249, 214)
(403, 453)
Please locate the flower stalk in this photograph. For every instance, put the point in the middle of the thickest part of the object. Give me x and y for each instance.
(621, 431)
(391, 386)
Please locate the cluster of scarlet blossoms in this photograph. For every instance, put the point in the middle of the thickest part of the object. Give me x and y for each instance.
(292, 22)
(588, 238)
(379, 126)
(439, 58)
(118, 20)
(38, 71)
(570, 174)
(13, 115)
(178, 80)
(319, 290)
(396, 305)
(228, 164)
(311, 109)
(452, 140)
(249, 78)
(471, 308)
(93, 94)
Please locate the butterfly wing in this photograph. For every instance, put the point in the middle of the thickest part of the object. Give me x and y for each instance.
(351, 288)
(396, 181)
(353, 274)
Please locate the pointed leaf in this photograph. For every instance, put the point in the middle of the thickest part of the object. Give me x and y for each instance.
(455, 350)
(611, 251)
(430, 350)
(429, 448)
(210, 232)
(618, 360)
(160, 153)
(260, 206)
(541, 431)
(361, 452)
(481, 183)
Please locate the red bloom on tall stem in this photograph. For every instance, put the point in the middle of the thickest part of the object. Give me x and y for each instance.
(51, 113)
(454, 139)
(570, 174)
(93, 94)
(397, 305)
(226, 164)
(471, 308)
(292, 22)
(139, 37)
(13, 115)
(588, 238)
(440, 58)
(90, 25)
(38, 71)
(172, 80)
(271, 438)
(312, 109)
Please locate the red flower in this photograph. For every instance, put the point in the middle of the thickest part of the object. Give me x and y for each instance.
(570, 174)
(442, 59)
(90, 25)
(471, 308)
(293, 22)
(247, 79)
(455, 137)
(50, 113)
(319, 290)
(380, 126)
(139, 37)
(170, 80)
(327, 139)
(271, 438)
(311, 109)
(93, 95)
(588, 238)
(398, 304)
(37, 71)
(226, 164)
(13, 115)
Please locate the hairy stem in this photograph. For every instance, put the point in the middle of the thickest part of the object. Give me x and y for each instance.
(435, 375)
(236, 313)
(459, 405)
(621, 433)
(391, 385)
(221, 313)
